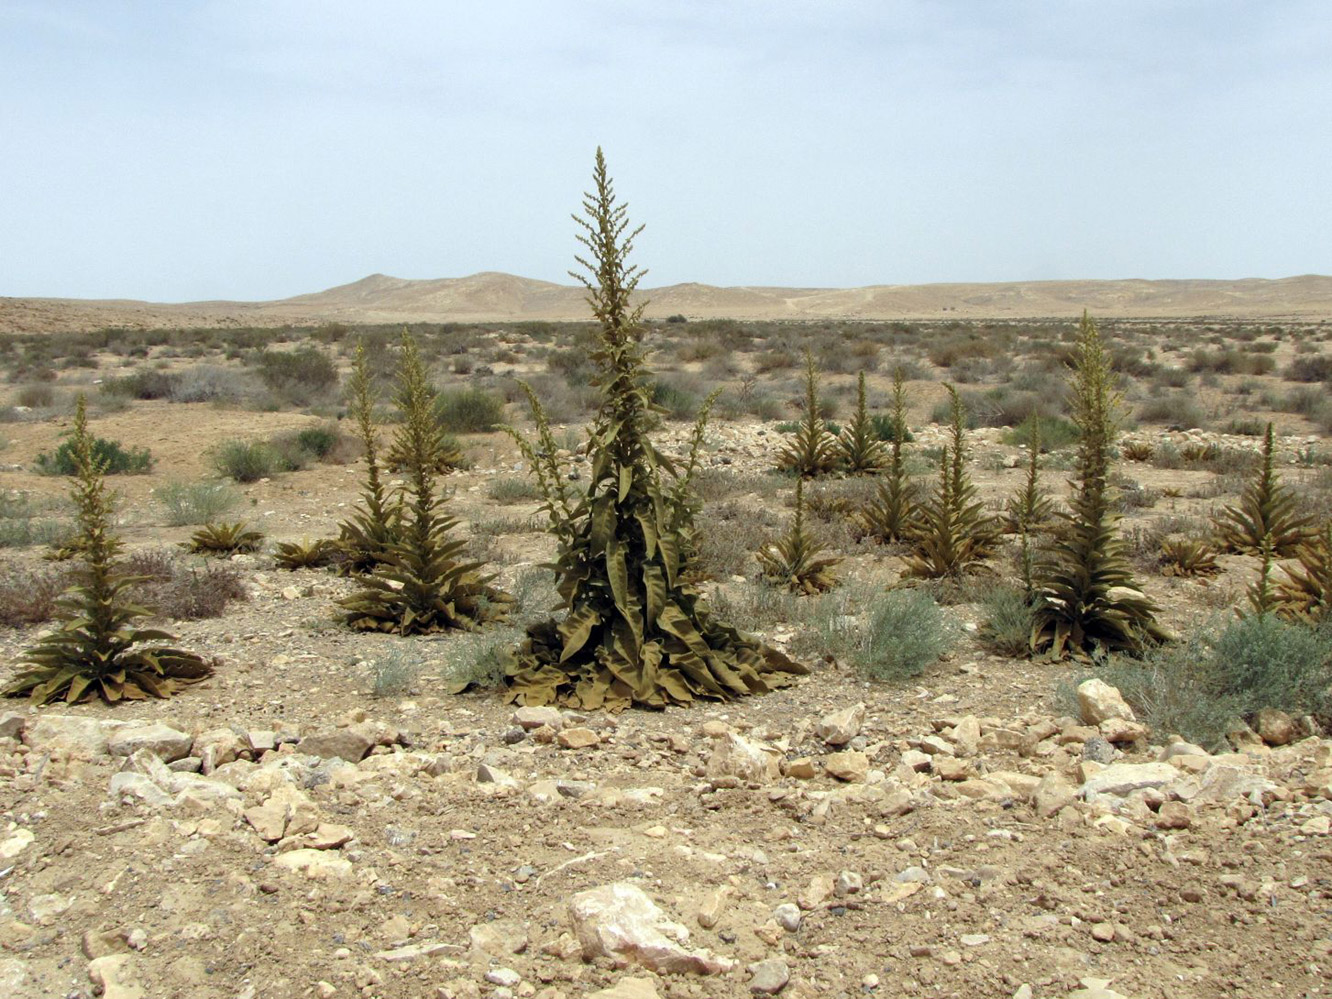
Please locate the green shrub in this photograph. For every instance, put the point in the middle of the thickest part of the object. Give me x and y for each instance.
(513, 489)
(1221, 672)
(246, 461)
(1176, 410)
(36, 396)
(907, 632)
(195, 502)
(298, 376)
(141, 385)
(1310, 368)
(468, 411)
(677, 401)
(25, 522)
(1053, 432)
(885, 427)
(109, 455)
(1008, 621)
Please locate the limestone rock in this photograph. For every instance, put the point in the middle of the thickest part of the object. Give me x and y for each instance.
(966, 736)
(735, 756)
(163, 741)
(850, 765)
(769, 977)
(350, 744)
(628, 988)
(72, 734)
(577, 738)
(620, 922)
(1052, 795)
(14, 844)
(1276, 728)
(1123, 730)
(286, 812)
(11, 725)
(314, 864)
(530, 717)
(1098, 701)
(1121, 779)
(499, 938)
(136, 785)
(114, 974)
(1223, 783)
(840, 727)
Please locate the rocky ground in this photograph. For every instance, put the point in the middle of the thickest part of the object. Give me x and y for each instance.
(834, 839)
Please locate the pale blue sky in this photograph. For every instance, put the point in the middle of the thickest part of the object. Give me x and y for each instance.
(231, 149)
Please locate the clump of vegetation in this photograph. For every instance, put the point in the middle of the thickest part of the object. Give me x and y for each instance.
(468, 411)
(634, 630)
(1197, 687)
(317, 554)
(30, 597)
(223, 539)
(25, 521)
(1306, 592)
(1185, 556)
(954, 533)
(111, 457)
(892, 514)
(186, 503)
(1008, 620)
(1030, 511)
(183, 593)
(1086, 597)
(96, 649)
(1267, 510)
(421, 582)
(813, 450)
(907, 632)
(859, 449)
(796, 560)
(375, 525)
(298, 377)
(245, 460)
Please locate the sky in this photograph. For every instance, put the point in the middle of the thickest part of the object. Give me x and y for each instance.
(229, 149)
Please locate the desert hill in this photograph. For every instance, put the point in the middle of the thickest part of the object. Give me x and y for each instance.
(497, 297)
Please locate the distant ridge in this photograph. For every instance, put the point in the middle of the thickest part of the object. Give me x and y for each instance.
(496, 297)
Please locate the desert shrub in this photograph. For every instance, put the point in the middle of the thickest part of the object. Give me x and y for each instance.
(195, 502)
(813, 451)
(906, 632)
(147, 384)
(675, 399)
(25, 521)
(1269, 513)
(1309, 368)
(30, 597)
(795, 560)
(184, 593)
(512, 489)
(246, 460)
(297, 377)
(1221, 672)
(1178, 411)
(394, 672)
(468, 411)
(36, 396)
(208, 383)
(1053, 432)
(1009, 617)
(297, 449)
(1245, 426)
(886, 428)
(110, 456)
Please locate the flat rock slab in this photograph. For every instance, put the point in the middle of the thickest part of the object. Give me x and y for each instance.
(1121, 779)
(618, 921)
(163, 741)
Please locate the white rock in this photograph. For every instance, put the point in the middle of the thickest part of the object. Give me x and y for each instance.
(84, 736)
(115, 975)
(315, 864)
(14, 844)
(840, 727)
(1099, 701)
(1052, 794)
(619, 922)
(735, 756)
(966, 736)
(535, 717)
(628, 988)
(127, 783)
(163, 741)
(1120, 779)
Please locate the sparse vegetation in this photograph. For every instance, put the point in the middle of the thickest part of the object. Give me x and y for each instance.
(223, 539)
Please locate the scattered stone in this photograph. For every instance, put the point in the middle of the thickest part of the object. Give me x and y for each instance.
(840, 727)
(1095, 988)
(506, 977)
(286, 812)
(1099, 750)
(953, 769)
(802, 768)
(709, 913)
(628, 988)
(11, 725)
(1224, 783)
(1098, 701)
(1104, 932)
(936, 746)
(114, 975)
(314, 864)
(14, 844)
(974, 939)
(618, 921)
(577, 738)
(80, 736)
(488, 774)
(1121, 779)
(1174, 815)
(735, 756)
(535, 717)
(914, 759)
(788, 916)
(818, 891)
(851, 765)
(350, 744)
(769, 977)
(1276, 728)
(848, 883)
(966, 736)
(1121, 731)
